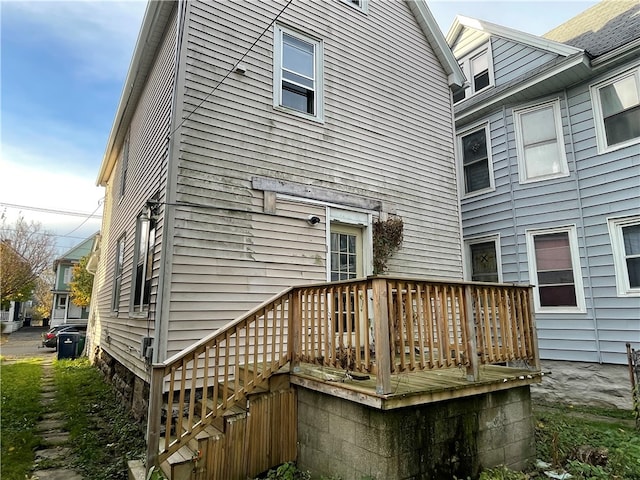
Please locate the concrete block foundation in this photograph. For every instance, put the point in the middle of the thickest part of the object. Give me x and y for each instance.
(431, 441)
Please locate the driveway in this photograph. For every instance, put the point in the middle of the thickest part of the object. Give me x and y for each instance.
(26, 342)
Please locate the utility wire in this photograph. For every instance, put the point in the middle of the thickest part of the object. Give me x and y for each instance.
(231, 70)
(51, 210)
(86, 219)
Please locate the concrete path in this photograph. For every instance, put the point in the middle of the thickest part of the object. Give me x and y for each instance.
(52, 459)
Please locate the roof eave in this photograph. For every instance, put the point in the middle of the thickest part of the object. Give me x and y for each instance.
(624, 52)
(437, 41)
(579, 61)
(535, 41)
(138, 70)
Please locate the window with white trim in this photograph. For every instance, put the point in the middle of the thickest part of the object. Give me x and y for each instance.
(616, 110)
(554, 267)
(475, 153)
(117, 274)
(62, 301)
(68, 271)
(297, 73)
(625, 243)
(143, 261)
(540, 142)
(483, 259)
(478, 68)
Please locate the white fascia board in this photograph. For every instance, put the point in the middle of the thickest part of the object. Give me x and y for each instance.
(437, 41)
(534, 41)
(139, 68)
(565, 65)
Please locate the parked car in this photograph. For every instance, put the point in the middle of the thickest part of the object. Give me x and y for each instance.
(50, 339)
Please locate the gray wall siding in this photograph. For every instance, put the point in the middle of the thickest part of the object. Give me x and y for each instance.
(387, 136)
(598, 187)
(120, 333)
(512, 60)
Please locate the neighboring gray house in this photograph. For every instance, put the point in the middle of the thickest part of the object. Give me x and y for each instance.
(63, 309)
(548, 132)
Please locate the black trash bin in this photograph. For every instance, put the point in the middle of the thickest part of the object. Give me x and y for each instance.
(68, 345)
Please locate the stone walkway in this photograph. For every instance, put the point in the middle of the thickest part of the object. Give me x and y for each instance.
(50, 461)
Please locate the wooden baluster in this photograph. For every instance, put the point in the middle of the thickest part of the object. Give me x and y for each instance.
(420, 318)
(295, 331)
(430, 330)
(470, 325)
(205, 383)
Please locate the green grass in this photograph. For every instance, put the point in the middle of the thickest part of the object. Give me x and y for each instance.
(102, 434)
(21, 409)
(573, 441)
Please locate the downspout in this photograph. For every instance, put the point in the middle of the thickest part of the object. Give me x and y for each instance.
(583, 235)
(514, 216)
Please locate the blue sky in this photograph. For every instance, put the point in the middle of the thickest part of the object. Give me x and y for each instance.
(63, 66)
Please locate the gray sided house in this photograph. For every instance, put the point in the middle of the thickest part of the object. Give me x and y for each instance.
(548, 147)
(216, 172)
(63, 309)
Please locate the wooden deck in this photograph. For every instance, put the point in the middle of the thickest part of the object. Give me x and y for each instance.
(414, 388)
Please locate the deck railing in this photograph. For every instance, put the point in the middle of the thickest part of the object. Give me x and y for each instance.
(378, 325)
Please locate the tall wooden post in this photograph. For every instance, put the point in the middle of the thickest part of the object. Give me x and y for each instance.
(473, 369)
(153, 420)
(381, 333)
(295, 330)
(534, 330)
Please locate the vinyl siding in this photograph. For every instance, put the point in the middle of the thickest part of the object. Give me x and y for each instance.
(598, 187)
(120, 333)
(387, 136)
(512, 60)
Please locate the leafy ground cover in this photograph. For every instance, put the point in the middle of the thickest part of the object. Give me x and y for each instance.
(21, 408)
(589, 443)
(102, 434)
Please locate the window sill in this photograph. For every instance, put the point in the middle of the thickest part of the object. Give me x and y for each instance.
(478, 193)
(139, 315)
(543, 179)
(297, 113)
(568, 310)
(619, 146)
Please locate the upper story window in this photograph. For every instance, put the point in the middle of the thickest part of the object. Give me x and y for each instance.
(359, 4)
(625, 243)
(298, 73)
(145, 244)
(540, 142)
(117, 274)
(477, 170)
(554, 267)
(477, 67)
(616, 109)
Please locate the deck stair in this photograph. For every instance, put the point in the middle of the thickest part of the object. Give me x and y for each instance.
(220, 450)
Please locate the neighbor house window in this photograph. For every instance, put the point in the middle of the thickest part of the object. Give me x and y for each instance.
(540, 142)
(125, 165)
(477, 67)
(298, 73)
(145, 243)
(117, 274)
(625, 243)
(555, 269)
(476, 160)
(67, 275)
(483, 259)
(616, 106)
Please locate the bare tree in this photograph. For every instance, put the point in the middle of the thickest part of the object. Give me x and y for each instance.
(27, 251)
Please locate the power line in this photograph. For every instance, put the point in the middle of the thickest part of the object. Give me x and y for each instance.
(51, 210)
(231, 70)
(86, 219)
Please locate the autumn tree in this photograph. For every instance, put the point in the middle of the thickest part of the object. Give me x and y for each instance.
(43, 295)
(81, 283)
(27, 251)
